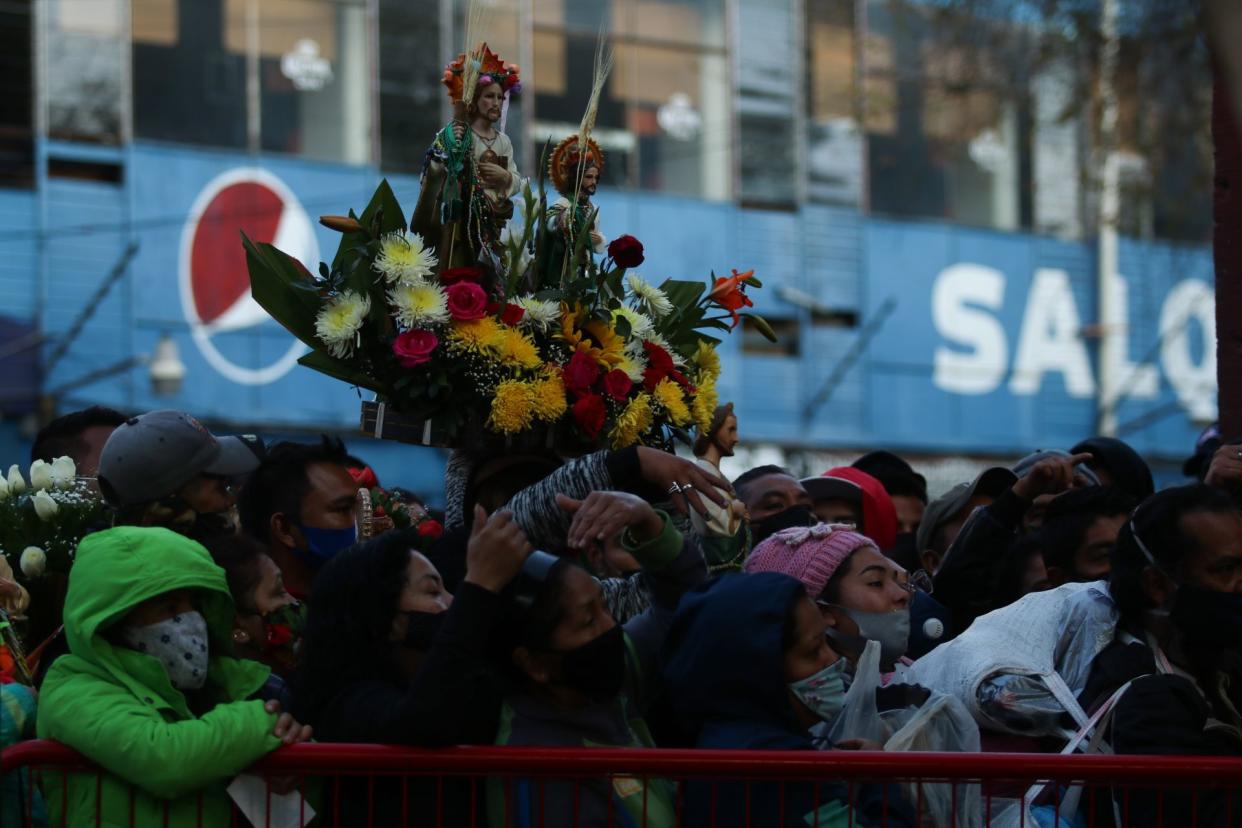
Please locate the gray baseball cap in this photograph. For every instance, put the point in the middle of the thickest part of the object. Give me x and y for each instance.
(830, 488)
(153, 455)
(991, 482)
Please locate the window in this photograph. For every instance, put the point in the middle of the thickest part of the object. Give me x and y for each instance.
(190, 72)
(834, 143)
(947, 117)
(663, 119)
(84, 58)
(194, 64)
(411, 97)
(769, 102)
(16, 100)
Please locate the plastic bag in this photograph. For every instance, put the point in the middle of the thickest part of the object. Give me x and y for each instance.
(941, 723)
(1016, 668)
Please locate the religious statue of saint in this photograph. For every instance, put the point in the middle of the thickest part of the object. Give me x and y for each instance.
(469, 174)
(722, 532)
(575, 169)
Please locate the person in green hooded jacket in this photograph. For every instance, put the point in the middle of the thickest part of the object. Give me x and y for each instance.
(148, 690)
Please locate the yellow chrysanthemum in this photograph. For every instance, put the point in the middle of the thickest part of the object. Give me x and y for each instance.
(550, 404)
(513, 407)
(668, 395)
(707, 361)
(703, 406)
(476, 335)
(632, 422)
(515, 349)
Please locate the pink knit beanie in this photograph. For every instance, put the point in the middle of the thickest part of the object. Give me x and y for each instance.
(810, 554)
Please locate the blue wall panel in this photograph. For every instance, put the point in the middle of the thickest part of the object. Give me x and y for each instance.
(19, 261)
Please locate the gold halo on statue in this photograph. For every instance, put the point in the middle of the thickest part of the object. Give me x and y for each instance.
(565, 159)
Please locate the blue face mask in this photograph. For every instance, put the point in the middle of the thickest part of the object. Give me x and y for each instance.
(824, 692)
(323, 544)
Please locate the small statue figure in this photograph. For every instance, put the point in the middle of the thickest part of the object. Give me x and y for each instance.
(469, 174)
(575, 170)
(723, 533)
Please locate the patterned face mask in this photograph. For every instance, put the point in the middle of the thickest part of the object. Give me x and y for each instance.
(178, 643)
(824, 692)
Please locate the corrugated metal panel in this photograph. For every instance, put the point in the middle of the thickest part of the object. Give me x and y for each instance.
(18, 253)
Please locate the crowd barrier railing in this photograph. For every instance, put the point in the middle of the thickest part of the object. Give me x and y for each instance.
(355, 784)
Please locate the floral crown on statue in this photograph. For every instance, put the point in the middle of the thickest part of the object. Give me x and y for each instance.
(570, 156)
(478, 69)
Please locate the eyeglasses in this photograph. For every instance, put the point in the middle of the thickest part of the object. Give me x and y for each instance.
(919, 581)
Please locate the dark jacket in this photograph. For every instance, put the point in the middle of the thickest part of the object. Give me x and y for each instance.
(967, 579)
(740, 620)
(453, 699)
(1163, 715)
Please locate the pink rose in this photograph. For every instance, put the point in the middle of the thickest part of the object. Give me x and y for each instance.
(414, 347)
(466, 301)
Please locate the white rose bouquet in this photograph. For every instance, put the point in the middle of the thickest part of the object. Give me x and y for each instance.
(43, 515)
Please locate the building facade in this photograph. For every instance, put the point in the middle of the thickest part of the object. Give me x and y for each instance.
(914, 189)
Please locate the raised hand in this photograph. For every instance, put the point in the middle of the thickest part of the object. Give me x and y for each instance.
(603, 514)
(1051, 476)
(685, 482)
(496, 550)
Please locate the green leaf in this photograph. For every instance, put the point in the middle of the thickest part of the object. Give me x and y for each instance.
(681, 293)
(622, 327)
(761, 325)
(752, 281)
(274, 281)
(338, 369)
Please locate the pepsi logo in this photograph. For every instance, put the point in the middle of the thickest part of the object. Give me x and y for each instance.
(215, 285)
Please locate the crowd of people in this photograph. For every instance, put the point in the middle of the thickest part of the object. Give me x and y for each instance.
(244, 596)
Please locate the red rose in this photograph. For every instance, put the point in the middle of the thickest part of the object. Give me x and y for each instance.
(659, 365)
(626, 251)
(461, 274)
(466, 301)
(414, 348)
(431, 529)
(617, 385)
(512, 314)
(581, 372)
(589, 414)
(364, 477)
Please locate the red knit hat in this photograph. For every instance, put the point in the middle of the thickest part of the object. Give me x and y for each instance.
(810, 554)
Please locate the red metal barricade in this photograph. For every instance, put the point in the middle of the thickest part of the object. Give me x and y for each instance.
(383, 785)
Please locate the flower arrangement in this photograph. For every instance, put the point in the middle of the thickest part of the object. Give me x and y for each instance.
(43, 518)
(600, 356)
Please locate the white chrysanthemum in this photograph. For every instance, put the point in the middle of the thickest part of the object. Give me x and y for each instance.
(633, 364)
(419, 304)
(641, 325)
(404, 258)
(651, 298)
(539, 313)
(340, 320)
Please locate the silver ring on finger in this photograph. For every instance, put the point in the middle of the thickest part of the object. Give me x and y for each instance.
(675, 489)
(687, 487)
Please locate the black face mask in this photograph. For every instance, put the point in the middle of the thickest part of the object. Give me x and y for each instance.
(761, 530)
(422, 629)
(597, 668)
(1209, 621)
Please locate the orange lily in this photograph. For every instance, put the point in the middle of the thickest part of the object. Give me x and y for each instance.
(729, 293)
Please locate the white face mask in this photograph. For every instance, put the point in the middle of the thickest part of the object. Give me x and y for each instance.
(178, 643)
